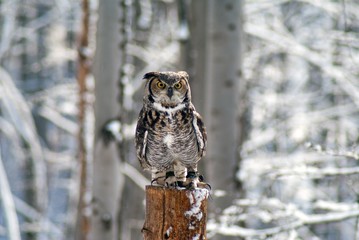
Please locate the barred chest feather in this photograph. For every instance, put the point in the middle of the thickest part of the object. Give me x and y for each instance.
(172, 132)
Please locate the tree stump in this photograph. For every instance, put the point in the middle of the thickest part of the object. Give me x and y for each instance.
(175, 213)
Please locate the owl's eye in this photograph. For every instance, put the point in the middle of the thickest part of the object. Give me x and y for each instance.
(178, 85)
(160, 85)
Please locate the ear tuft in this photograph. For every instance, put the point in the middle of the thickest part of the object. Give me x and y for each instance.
(150, 75)
(184, 74)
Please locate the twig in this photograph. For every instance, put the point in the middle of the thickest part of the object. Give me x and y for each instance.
(313, 172)
(337, 153)
(286, 42)
(57, 119)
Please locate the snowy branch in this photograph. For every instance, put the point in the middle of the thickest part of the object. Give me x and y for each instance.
(296, 219)
(137, 177)
(313, 172)
(29, 212)
(16, 106)
(59, 120)
(8, 206)
(331, 152)
(345, 80)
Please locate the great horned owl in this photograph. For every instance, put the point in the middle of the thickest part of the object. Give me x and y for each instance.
(170, 135)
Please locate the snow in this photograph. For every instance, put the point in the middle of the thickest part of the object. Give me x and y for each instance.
(196, 237)
(115, 128)
(196, 197)
(219, 193)
(169, 230)
(299, 85)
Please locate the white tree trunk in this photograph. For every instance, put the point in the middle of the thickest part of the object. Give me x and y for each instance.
(218, 40)
(223, 73)
(107, 177)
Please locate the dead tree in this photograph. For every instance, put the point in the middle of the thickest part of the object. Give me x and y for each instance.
(175, 213)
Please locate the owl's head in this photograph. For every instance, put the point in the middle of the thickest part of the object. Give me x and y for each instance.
(167, 88)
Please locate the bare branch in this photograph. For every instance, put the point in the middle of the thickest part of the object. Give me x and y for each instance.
(313, 172)
(135, 176)
(57, 119)
(9, 26)
(337, 153)
(301, 219)
(21, 118)
(29, 212)
(8, 206)
(345, 80)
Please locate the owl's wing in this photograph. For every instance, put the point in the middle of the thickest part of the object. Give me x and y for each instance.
(200, 132)
(141, 139)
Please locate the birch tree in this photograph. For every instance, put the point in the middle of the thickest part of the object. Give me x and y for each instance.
(107, 178)
(218, 43)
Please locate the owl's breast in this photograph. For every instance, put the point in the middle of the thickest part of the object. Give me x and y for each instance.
(180, 137)
(172, 138)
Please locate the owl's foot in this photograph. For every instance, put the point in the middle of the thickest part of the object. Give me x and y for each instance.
(203, 184)
(158, 177)
(195, 180)
(176, 184)
(180, 184)
(170, 180)
(158, 181)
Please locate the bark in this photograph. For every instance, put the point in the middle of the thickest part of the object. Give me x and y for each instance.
(83, 220)
(175, 214)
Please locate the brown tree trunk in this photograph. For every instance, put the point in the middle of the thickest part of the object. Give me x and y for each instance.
(175, 213)
(83, 220)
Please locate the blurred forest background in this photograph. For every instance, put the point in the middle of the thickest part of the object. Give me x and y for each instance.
(276, 83)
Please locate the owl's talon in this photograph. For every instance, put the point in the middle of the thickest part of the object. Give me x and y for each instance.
(196, 180)
(154, 180)
(170, 179)
(204, 185)
(158, 181)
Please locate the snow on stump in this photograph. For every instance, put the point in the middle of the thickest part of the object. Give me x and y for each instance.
(175, 213)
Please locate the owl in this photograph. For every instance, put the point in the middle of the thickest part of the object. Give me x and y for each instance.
(170, 135)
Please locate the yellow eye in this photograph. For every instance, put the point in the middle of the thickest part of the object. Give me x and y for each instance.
(178, 85)
(160, 85)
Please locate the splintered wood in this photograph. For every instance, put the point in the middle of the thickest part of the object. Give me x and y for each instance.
(175, 213)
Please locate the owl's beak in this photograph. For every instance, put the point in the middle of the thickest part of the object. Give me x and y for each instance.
(170, 92)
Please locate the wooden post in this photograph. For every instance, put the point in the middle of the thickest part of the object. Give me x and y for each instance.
(175, 213)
